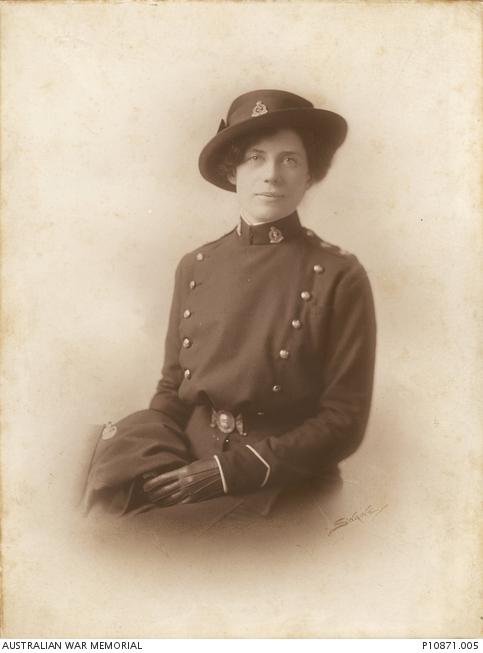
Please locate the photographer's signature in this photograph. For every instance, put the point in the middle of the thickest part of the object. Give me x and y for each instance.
(369, 513)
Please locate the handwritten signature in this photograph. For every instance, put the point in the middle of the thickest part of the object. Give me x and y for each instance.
(369, 513)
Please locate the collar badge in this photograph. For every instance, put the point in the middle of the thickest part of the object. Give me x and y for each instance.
(259, 109)
(275, 235)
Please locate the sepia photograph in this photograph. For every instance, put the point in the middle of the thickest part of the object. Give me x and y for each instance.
(241, 319)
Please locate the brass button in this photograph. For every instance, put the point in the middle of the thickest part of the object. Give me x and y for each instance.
(187, 374)
(186, 343)
(276, 388)
(284, 353)
(318, 269)
(187, 313)
(200, 256)
(192, 284)
(309, 233)
(305, 295)
(297, 324)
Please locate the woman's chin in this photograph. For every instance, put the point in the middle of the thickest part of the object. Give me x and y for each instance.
(268, 215)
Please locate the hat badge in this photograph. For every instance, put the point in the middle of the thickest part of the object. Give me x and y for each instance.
(259, 109)
(275, 235)
(109, 431)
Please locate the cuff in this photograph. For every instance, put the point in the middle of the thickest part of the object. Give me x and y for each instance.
(243, 469)
(223, 480)
(267, 475)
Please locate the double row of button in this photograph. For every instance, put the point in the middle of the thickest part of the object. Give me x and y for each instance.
(187, 314)
(297, 324)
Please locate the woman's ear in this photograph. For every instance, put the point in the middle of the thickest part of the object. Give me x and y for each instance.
(231, 176)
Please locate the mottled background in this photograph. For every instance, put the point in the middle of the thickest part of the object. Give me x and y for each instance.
(105, 108)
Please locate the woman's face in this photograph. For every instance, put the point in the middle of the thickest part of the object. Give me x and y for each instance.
(272, 178)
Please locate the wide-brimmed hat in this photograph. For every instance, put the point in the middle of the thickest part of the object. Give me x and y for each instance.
(268, 108)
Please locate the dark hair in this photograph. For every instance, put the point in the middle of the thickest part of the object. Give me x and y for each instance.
(319, 154)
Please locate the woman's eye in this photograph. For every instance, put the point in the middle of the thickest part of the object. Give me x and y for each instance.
(290, 160)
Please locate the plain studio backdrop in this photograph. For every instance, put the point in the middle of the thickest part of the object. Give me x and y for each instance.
(105, 108)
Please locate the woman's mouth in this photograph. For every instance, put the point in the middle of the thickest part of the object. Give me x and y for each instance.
(272, 196)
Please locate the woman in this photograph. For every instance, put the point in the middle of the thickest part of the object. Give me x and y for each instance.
(269, 354)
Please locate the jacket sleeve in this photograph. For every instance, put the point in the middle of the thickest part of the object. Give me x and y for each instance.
(166, 399)
(337, 428)
(147, 441)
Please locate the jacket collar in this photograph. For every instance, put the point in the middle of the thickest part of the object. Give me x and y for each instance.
(270, 233)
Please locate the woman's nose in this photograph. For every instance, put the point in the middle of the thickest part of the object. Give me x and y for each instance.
(271, 171)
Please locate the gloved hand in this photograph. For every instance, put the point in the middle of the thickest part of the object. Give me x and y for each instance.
(198, 481)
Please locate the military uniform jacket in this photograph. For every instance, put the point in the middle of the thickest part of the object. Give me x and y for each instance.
(271, 323)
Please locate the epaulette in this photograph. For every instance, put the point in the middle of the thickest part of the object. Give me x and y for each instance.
(211, 243)
(317, 241)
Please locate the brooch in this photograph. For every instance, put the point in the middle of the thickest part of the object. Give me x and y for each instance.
(275, 235)
(259, 109)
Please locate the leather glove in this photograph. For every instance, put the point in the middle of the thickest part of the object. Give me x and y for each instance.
(198, 481)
